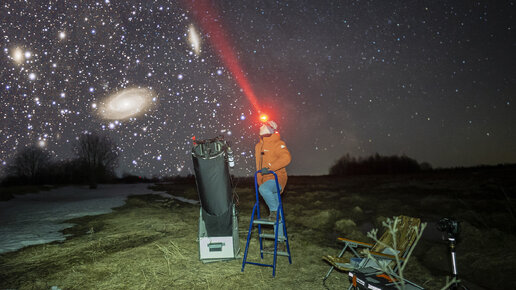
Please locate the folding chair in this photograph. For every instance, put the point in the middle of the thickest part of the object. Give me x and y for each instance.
(405, 237)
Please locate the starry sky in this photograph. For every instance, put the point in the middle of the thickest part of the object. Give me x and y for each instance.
(433, 80)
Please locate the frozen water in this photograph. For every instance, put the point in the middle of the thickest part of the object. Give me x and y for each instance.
(38, 218)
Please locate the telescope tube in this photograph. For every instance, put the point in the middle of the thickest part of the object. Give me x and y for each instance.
(210, 160)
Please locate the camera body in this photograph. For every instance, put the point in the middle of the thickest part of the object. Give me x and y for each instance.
(449, 226)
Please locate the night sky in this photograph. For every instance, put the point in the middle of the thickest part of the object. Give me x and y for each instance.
(433, 80)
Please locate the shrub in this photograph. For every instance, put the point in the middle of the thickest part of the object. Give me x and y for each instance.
(377, 164)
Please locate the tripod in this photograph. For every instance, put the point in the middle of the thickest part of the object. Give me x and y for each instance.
(457, 285)
(450, 229)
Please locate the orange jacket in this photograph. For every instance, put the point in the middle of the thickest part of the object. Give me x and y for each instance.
(271, 152)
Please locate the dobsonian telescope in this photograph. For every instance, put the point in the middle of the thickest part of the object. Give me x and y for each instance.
(218, 223)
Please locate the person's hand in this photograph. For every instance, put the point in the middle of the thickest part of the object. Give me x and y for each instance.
(265, 171)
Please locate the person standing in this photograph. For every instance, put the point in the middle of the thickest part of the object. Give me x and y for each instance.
(271, 154)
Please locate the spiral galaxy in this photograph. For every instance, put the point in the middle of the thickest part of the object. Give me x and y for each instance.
(126, 104)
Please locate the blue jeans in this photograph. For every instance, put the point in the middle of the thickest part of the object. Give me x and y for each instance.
(269, 193)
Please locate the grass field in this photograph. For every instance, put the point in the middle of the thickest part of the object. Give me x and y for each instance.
(151, 242)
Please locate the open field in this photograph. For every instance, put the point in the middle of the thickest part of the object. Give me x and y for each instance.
(150, 242)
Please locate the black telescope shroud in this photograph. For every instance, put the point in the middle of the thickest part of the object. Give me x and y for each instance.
(214, 185)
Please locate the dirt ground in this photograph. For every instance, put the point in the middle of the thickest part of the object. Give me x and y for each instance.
(151, 242)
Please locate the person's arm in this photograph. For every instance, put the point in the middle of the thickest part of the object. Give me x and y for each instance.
(283, 159)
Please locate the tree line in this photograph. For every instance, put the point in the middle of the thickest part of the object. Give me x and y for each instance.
(377, 164)
(96, 158)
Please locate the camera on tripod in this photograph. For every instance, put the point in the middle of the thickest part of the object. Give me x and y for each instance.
(449, 226)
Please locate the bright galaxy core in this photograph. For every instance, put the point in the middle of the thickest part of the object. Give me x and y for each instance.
(126, 104)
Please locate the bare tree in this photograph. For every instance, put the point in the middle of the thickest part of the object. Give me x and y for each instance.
(29, 163)
(98, 154)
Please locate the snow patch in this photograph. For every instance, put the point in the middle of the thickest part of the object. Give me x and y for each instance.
(33, 219)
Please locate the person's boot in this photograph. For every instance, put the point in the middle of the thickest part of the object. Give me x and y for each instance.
(272, 216)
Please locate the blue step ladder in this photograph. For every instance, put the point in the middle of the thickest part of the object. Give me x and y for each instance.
(257, 220)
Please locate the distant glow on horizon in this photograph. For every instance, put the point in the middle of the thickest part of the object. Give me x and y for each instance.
(126, 104)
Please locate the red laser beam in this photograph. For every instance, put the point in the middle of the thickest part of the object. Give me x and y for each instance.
(207, 17)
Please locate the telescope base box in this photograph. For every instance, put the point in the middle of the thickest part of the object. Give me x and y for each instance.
(214, 249)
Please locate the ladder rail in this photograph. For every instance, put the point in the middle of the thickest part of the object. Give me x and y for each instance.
(257, 204)
(282, 213)
(248, 237)
(256, 190)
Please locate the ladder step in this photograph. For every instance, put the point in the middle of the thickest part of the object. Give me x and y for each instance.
(263, 222)
(271, 236)
(279, 253)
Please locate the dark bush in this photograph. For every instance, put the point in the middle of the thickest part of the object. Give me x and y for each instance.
(67, 172)
(131, 178)
(178, 179)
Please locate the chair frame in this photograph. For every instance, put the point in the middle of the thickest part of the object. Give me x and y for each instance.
(353, 245)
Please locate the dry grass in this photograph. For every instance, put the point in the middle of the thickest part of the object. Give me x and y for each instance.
(144, 246)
